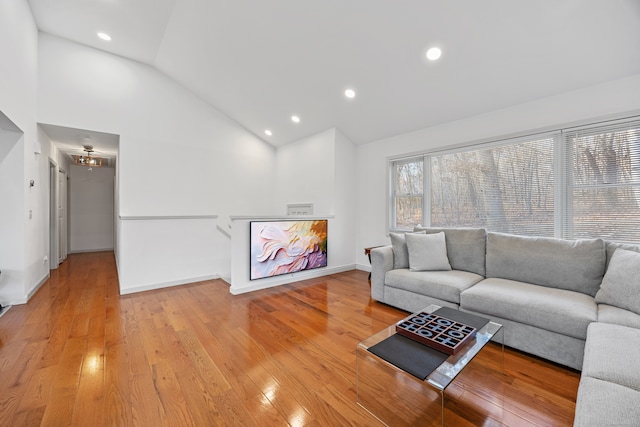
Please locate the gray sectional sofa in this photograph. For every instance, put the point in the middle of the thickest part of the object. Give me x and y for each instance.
(573, 302)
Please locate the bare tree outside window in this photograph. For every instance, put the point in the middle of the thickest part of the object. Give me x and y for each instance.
(408, 192)
(606, 185)
(504, 189)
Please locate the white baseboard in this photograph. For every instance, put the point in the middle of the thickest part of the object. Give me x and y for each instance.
(153, 286)
(363, 267)
(295, 277)
(32, 292)
(84, 251)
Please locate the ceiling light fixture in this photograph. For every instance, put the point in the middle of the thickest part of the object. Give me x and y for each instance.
(350, 93)
(104, 36)
(268, 132)
(89, 159)
(434, 53)
(295, 119)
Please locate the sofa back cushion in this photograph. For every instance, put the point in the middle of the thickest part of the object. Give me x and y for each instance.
(612, 246)
(621, 283)
(575, 265)
(466, 247)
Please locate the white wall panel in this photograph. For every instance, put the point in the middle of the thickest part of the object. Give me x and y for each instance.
(163, 252)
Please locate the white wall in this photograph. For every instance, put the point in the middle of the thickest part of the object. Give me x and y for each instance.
(20, 236)
(91, 208)
(319, 170)
(344, 226)
(12, 248)
(585, 105)
(18, 49)
(305, 173)
(169, 251)
(179, 158)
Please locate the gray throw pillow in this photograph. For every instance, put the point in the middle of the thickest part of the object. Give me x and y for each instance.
(427, 252)
(621, 283)
(399, 247)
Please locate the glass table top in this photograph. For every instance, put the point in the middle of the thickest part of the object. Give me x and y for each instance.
(444, 374)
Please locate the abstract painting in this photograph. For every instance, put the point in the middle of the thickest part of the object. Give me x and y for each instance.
(283, 247)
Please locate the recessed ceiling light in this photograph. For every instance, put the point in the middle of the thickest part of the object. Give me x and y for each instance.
(268, 132)
(104, 36)
(350, 93)
(434, 53)
(295, 119)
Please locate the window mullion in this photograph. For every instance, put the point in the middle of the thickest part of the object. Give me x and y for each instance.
(426, 192)
(393, 223)
(562, 194)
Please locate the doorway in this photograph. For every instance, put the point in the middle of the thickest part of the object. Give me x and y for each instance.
(82, 193)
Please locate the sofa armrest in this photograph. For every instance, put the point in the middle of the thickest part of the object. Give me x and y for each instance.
(381, 262)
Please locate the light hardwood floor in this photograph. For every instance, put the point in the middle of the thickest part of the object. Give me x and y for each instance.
(80, 354)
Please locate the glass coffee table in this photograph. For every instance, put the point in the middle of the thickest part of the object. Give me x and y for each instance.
(397, 398)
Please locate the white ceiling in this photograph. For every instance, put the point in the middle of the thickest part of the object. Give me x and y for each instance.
(261, 61)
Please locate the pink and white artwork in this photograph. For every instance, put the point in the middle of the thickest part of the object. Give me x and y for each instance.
(283, 247)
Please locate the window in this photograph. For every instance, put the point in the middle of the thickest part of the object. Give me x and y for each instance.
(507, 188)
(575, 183)
(407, 186)
(604, 182)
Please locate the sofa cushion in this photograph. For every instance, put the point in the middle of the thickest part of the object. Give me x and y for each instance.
(601, 403)
(618, 316)
(466, 247)
(621, 283)
(608, 353)
(400, 251)
(557, 310)
(612, 246)
(427, 252)
(572, 265)
(443, 285)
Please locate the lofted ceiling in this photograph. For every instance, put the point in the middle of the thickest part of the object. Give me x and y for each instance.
(260, 62)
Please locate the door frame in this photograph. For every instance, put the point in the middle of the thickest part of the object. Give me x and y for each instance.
(54, 233)
(63, 205)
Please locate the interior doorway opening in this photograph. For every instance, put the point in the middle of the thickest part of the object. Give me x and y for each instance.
(83, 191)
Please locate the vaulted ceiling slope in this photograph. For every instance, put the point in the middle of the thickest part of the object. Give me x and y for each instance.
(261, 62)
